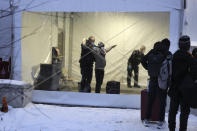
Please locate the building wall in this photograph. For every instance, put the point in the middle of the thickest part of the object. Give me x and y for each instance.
(190, 20)
(5, 31)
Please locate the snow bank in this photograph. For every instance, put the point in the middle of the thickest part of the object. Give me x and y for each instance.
(37, 117)
(12, 82)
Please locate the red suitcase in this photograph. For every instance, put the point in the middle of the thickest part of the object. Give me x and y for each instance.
(144, 102)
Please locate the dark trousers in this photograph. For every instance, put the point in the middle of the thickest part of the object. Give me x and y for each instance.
(86, 79)
(99, 73)
(185, 111)
(129, 75)
(154, 91)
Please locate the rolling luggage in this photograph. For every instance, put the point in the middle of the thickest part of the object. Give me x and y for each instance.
(144, 103)
(113, 87)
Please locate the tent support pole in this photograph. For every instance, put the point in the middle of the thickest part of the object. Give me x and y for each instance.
(68, 22)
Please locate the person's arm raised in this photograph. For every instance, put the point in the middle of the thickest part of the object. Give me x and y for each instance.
(108, 49)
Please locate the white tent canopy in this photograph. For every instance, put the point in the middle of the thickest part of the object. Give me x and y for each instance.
(173, 7)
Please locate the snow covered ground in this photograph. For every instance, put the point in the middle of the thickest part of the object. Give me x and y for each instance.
(38, 117)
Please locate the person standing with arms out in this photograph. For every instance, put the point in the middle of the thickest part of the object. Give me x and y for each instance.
(133, 65)
(181, 62)
(100, 64)
(86, 64)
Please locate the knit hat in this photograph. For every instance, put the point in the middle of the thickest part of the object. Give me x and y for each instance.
(184, 43)
(101, 44)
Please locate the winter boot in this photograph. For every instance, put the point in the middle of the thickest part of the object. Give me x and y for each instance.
(160, 125)
(146, 123)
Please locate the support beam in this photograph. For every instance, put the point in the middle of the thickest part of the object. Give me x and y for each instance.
(17, 58)
(176, 22)
(68, 27)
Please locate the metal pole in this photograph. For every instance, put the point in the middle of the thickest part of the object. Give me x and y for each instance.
(12, 10)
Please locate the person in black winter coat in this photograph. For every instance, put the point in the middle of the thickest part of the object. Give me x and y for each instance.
(194, 66)
(162, 49)
(133, 65)
(182, 61)
(86, 64)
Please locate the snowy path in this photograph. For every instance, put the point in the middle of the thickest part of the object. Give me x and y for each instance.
(55, 118)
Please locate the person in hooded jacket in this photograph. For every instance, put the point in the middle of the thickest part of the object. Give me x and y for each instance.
(182, 61)
(161, 48)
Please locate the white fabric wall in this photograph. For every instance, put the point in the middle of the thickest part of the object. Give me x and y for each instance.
(128, 30)
(40, 30)
(190, 20)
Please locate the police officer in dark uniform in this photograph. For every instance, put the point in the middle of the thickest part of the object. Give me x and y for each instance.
(86, 64)
(133, 65)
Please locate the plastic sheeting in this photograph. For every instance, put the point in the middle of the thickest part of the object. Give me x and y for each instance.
(129, 31)
(172, 6)
(41, 35)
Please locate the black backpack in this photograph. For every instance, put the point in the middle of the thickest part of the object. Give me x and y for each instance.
(155, 60)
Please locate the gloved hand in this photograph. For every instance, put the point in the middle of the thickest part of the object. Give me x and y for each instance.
(114, 46)
(129, 67)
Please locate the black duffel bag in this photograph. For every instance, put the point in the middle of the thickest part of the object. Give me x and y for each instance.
(113, 87)
(188, 89)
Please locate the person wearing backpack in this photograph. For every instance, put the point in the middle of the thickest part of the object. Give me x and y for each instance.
(153, 62)
(181, 63)
(133, 65)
